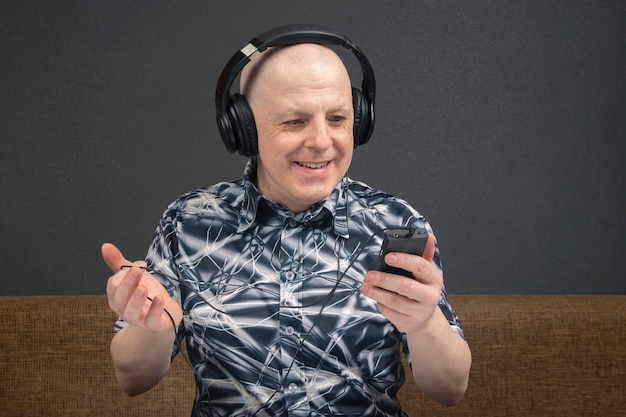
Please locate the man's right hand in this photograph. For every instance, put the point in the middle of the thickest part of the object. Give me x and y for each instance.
(128, 290)
(141, 352)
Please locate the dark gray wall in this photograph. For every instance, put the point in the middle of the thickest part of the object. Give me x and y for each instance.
(502, 121)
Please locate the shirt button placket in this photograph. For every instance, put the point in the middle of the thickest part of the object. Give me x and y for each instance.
(291, 320)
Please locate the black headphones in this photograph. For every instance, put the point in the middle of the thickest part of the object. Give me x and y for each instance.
(234, 116)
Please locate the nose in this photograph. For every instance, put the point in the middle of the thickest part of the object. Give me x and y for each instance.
(319, 134)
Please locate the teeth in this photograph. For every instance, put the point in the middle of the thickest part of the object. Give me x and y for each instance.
(313, 165)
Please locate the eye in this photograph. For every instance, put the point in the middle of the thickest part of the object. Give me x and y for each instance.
(337, 119)
(293, 123)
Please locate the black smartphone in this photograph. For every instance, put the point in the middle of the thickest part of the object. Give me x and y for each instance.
(405, 239)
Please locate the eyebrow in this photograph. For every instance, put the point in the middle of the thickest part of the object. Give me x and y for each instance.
(297, 111)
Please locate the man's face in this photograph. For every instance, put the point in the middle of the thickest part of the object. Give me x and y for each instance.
(304, 118)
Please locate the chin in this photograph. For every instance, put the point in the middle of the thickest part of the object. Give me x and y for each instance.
(320, 195)
(305, 201)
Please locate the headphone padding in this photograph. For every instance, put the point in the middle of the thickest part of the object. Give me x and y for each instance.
(244, 126)
(361, 117)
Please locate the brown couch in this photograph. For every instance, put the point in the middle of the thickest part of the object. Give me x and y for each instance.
(533, 356)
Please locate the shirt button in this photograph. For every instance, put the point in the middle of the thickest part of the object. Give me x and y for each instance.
(289, 275)
(293, 387)
(289, 330)
(292, 222)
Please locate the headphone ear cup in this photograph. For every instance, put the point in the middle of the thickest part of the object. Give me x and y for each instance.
(243, 126)
(361, 117)
(225, 127)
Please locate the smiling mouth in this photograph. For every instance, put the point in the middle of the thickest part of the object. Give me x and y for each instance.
(313, 165)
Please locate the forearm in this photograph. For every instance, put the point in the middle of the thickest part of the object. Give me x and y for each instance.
(141, 358)
(441, 360)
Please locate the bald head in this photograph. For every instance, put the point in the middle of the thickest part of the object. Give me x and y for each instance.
(280, 65)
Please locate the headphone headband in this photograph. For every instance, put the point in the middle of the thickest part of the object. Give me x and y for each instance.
(227, 117)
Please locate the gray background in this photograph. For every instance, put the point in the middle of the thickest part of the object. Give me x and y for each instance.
(502, 121)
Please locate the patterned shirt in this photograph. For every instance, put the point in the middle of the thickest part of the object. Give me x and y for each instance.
(274, 321)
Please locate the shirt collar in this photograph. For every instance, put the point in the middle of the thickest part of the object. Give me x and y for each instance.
(334, 208)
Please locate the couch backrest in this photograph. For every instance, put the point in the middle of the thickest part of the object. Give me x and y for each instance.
(535, 356)
(55, 362)
(532, 356)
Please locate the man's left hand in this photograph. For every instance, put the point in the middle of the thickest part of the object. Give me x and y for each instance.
(407, 303)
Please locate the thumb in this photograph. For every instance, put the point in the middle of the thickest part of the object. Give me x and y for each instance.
(429, 249)
(113, 257)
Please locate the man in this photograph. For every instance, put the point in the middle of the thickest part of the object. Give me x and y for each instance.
(271, 278)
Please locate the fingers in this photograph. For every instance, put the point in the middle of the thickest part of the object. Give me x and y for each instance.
(144, 311)
(134, 304)
(429, 249)
(130, 298)
(397, 291)
(126, 296)
(405, 302)
(122, 286)
(396, 295)
(154, 317)
(421, 268)
(114, 258)
(135, 295)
